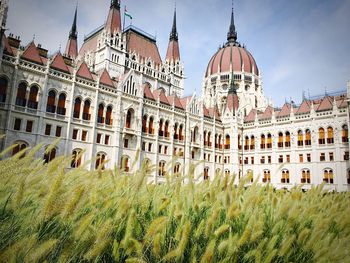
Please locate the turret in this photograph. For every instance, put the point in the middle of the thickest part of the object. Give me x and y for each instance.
(173, 52)
(113, 23)
(72, 44)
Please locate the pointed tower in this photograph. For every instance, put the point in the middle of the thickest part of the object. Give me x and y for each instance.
(113, 20)
(173, 52)
(232, 33)
(72, 44)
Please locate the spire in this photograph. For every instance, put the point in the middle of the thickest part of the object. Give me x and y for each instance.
(173, 34)
(232, 34)
(113, 20)
(115, 4)
(72, 44)
(73, 32)
(173, 52)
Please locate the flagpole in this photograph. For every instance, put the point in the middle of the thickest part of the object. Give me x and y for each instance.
(124, 18)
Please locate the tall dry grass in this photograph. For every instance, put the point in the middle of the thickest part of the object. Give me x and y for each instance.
(48, 213)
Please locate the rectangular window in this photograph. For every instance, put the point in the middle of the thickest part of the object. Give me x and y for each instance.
(83, 136)
(192, 154)
(246, 160)
(280, 159)
(143, 146)
(126, 143)
(75, 134)
(29, 126)
(208, 157)
(48, 129)
(288, 158)
(322, 157)
(301, 158)
(308, 157)
(346, 156)
(216, 158)
(252, 160)
(107, 139)
(331, 157)
(269, 159)
(165, 149)
(17, 125)
(150, 147)
(98, 138)
(58, 131)
(159, 148)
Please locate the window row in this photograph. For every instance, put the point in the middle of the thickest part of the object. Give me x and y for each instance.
(80, 135)
(284, 139)
(147, 146)
(102, 138)
(305, 176)
(101, 158)
(29, 127)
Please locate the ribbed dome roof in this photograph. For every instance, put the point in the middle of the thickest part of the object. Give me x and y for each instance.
(232, 55)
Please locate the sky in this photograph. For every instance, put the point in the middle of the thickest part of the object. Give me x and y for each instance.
(300, 46)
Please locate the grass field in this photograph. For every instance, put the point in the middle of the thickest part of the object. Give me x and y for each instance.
(50, 214)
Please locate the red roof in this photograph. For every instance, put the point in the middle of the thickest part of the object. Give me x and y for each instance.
(285, 111)
(7, 48)
(267, 113)
(59, 64)
(147, 93)
(214, 111)
(173, 52)
(326, 104)
(160, 94)
(71, 48)
(232, 101)
(206, 112)
(113, 20)
(232, 56)
(31, 53)
(185, 100)
(143, 46)
(304, 107)
(106, 78)
(90, 44)
(176, 101)
(251, 116)
(84, 72)
(341, 103)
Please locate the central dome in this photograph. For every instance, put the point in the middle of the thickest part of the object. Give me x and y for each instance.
(232, 57)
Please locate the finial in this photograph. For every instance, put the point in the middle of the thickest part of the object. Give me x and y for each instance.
(73, 32)
(115, 4)
(33, 37)
(59, 48)
(173, 34)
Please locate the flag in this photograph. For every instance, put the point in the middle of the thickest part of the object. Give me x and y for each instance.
(126, 13)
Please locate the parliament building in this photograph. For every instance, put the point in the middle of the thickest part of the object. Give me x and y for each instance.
(115, 98)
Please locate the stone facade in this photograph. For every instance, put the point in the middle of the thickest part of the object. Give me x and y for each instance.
(114, 99)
